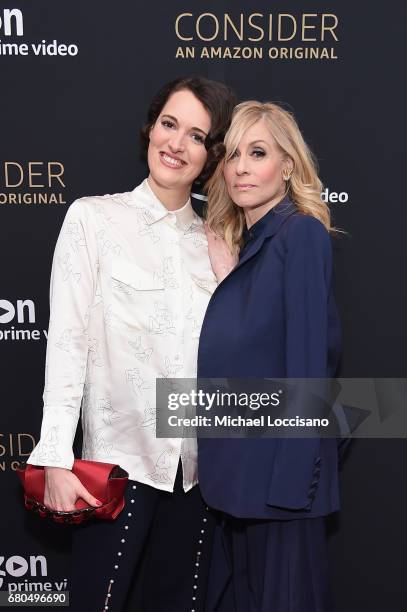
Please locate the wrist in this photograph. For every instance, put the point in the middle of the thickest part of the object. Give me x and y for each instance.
(52, 468)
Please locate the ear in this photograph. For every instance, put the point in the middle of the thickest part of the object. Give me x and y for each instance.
(288, 164)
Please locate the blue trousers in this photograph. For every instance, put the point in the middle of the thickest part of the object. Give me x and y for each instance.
(269, 566)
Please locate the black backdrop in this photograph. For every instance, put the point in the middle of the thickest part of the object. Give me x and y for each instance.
(80, 112)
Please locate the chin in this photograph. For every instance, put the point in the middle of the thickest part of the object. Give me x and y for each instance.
(244, 202)
(166, 178)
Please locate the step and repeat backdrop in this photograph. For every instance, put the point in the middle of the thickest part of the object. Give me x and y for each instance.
(75, 82)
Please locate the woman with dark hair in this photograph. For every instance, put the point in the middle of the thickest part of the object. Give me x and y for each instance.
(130, 283)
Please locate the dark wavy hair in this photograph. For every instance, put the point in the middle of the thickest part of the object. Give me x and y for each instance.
(217, 98)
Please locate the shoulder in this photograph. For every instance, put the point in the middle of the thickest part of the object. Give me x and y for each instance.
(304, 229)
(83, 209)
(306, 239)
(300, 224)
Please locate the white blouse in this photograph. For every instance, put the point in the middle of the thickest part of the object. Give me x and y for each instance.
(130, 284)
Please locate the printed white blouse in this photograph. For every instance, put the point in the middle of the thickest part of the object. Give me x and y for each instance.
(130, 284)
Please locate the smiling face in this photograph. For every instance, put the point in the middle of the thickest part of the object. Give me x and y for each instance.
(176, 152)
(254, 172)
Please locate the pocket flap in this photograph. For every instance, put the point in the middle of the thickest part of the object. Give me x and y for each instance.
(136, 277)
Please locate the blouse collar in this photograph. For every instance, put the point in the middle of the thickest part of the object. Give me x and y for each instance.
(143, 197)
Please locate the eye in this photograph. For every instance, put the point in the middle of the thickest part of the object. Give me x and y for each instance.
(258, 153)
(198, 137)
(167, 123)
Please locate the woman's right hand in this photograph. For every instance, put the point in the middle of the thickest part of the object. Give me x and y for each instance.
(63, 488)
(222, 260)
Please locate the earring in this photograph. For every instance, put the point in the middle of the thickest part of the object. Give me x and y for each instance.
(287, 175)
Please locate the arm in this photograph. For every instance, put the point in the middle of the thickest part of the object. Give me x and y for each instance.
(72, 288)
(222, 260)
(307, 278)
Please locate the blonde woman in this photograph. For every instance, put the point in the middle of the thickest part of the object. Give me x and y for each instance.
(273, 315)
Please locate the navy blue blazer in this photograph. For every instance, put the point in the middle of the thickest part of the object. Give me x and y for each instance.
(273, 316)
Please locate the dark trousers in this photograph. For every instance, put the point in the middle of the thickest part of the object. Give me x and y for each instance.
(153, 558)
(269, 566)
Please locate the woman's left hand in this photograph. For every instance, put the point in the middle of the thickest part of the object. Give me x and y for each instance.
(222, 260)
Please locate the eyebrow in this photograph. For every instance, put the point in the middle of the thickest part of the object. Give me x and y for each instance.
(196, 129)
(256, 141)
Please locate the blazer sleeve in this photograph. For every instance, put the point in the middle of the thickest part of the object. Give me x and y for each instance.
(72, 289)
(307, 278)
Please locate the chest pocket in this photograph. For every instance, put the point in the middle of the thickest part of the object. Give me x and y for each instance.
(136, 293)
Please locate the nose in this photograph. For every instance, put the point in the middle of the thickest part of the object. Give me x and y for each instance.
(177, 142)
(241, 165)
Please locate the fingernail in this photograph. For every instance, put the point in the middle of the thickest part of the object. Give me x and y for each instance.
(98, 502)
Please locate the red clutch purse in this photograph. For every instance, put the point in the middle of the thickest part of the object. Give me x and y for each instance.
(105, 481)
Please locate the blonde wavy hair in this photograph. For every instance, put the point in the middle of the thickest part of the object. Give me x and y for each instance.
(304, 186)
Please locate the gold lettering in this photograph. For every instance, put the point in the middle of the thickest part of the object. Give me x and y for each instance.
(280, 20)
(256, 27)
(330, 28)
(177, 26)
(51, 175)
(6, 174)
(185, 52)
(227, 20)
(307, 27)
(31, 173)
(20, 446)
(198, 24)
(216, 52)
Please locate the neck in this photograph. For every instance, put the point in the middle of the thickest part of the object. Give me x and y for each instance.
(173, 199)
(254, 214)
